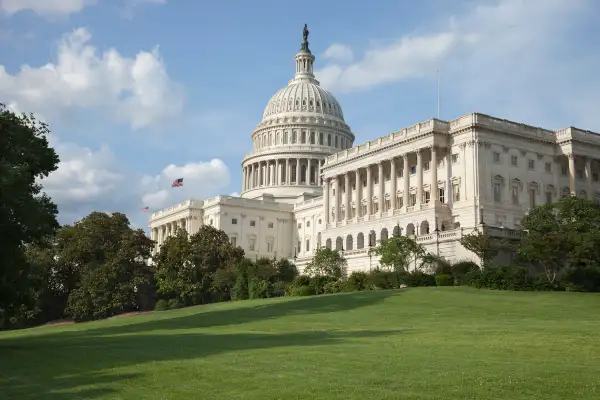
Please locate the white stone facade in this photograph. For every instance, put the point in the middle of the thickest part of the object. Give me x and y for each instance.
(305, 185)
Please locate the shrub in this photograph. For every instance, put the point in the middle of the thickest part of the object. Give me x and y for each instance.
(335, 286)
(318, 283)
(240, 288)
(379, 279)
(161, 305)
(461, 269)
(444, 280)
(172, 304)
(278, 289)
(508, 277)
(258, 288)
(581, 278)
(300, 290)
(416, 279)
(302, 280)
(358, 280)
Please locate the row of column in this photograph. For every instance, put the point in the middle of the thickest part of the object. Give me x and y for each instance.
(279, 172)
(160, 233)
(338, 201)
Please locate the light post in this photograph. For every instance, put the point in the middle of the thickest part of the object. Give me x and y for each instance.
(370, 248)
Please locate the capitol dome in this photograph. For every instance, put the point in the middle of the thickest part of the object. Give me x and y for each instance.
(302, 124)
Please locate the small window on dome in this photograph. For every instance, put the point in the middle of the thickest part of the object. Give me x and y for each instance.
(310, 103)
(304, 102)
(297, 102)
(318, 104)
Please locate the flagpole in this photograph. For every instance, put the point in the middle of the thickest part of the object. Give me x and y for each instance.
(438, 94)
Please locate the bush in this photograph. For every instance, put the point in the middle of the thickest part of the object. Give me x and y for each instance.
(461, 269)
(172, 304)
(240, 288)
(508, 277)
(161, 305)
(278, 289)
(581, 279)
(379, 279)
(358, 281)
(302, 280)
(258, 288)
(416, 279)
(300, 290)
(335, 286)
(444, 280)
(318, 283)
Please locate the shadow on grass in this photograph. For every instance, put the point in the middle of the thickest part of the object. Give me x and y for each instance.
(77, 365)
(207, 316)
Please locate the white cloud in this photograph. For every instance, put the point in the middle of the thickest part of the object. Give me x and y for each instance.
(200, 179)
(45, 7)
(136, 90)
(339, 52)
(493, 30)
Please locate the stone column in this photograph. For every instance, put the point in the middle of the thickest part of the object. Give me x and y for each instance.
(419, 176)
(369, 190)
(336, 199)
(358, 191)
(288, 172)
(308, 171)
(298, 171)
(588, 171)
(347, 196)
(572, 173)
(449, 198)
(434, 176)
(276, 175)
(406, 180)
(393, 183)
(381, 194)
(326, 191)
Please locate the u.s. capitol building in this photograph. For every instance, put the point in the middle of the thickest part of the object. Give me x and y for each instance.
(305, 184)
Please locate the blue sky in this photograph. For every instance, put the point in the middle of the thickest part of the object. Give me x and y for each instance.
(139, 92)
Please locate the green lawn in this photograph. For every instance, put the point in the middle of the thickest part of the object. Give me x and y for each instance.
(423, 343)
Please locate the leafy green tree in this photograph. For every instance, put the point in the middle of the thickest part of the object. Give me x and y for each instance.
(186, 266)
(399, 253)
(27, 215)
(327, 262)
(104, 263)
(561, 234)
(484, 246)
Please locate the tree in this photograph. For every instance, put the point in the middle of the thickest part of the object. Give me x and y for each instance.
(186, 267)
(483, 245)
(561, 234)
(399, 253)
(27, 215)
(327, 262)
(103, 263)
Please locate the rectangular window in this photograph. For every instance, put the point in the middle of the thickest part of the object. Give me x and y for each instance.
(401, 173)
(270, 225)
(388, 205)
(548, 197)
(299, 247)
(496, 157)
(251, 244)
(299, 225)
(426, 166)
(531, 164)
(308, 224)
(595, 176)
(455, 192)
(454, 158)
(233, 221)
(515, 195)
(400, 201)
(413, 199)
(531, 198)
(233, 241)
(307, 244)
(497, 192)
(413, 170)
(564, 170)
(426, 196)
(548, 167)
(252, 223)
(514, 160)
(441, 195)
(269, 246)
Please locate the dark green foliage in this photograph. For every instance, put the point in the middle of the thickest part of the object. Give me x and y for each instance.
(302, 280)
(300, 290)
(278, 289)
(508, 277)
(358, 280)
(444, 280)
(27, 215)
(318, 283)
(417, 279)
(380, 279)
(258, 288)
(338, 286)
(327, 262)
(161, 305)
(581, 278)
(460, 270)
(399, 253)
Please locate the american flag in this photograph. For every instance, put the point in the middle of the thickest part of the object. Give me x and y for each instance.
(177, 183)
(144, 209)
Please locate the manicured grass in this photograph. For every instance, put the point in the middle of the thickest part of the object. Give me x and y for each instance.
(423, 343)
